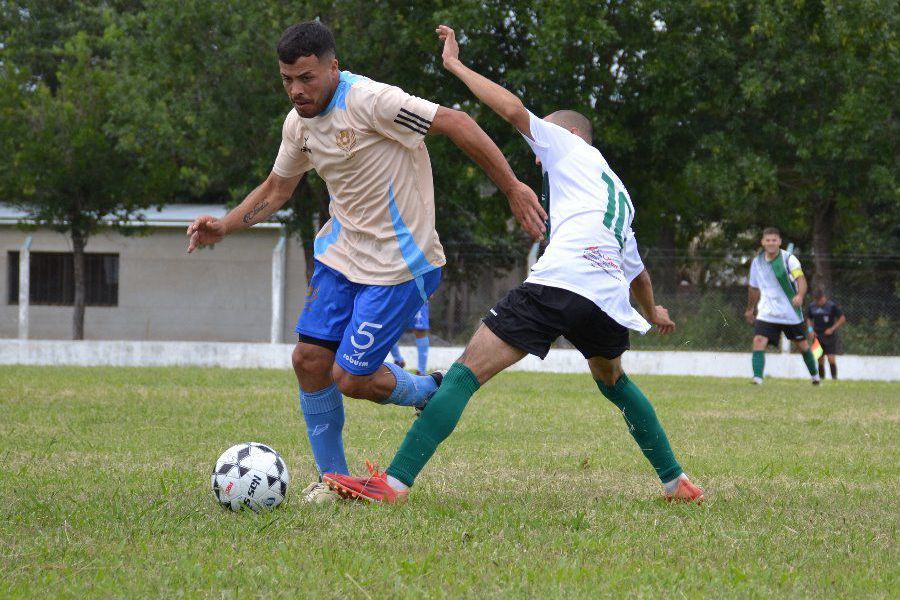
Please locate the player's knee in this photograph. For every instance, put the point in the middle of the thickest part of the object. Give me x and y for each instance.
(307, 360)
(610, 376)
(350, 385)
(608, 372)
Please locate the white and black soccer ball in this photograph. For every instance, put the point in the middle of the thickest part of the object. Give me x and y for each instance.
(251, 475)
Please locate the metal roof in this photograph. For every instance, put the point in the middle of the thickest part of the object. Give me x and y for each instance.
(171, 215)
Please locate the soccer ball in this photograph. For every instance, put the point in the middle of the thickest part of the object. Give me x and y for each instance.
(251, 475)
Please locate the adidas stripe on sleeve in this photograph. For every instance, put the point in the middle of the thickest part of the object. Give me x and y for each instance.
(402, 117)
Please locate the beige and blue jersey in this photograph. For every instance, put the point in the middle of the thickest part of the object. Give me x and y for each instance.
(368, 146)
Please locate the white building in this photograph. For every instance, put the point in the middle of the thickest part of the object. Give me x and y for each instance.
(146, 287)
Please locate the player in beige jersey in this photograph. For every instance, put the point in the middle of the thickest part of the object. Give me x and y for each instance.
(378, 257)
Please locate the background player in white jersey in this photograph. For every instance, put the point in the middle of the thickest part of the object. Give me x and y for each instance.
(578, 289)
(777, 288)
(378, 257)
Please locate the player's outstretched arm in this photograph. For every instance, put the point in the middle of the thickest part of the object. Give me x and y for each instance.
(642, 288)
(258, 206)
(471, 139)
(502, 101)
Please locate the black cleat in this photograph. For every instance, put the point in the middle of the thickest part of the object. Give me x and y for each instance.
(438, 377)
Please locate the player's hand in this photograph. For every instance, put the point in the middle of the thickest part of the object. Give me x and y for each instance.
(450, 55)
(829, 331)
(797, 301)
(748, 316)
(204, 231)
(528, 210)
(662, 321)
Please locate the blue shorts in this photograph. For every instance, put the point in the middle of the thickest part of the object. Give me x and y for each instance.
(367, 320)
(420, 320)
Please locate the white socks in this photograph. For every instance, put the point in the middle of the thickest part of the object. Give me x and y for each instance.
(671, 486)
(396, 484)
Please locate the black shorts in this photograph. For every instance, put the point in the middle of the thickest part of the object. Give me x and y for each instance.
(795, 333)
(531, 317)
(829, 343)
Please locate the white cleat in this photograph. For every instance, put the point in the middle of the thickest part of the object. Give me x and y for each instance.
(319, 493)
(816, 380)
(757, 381)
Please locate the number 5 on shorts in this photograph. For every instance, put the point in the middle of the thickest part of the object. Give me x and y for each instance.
(365, 334)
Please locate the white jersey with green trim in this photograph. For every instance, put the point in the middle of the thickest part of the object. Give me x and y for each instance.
(591, 249)
(774, 304)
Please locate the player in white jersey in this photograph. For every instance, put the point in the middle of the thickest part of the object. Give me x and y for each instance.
(776, 291)
(579, 289)
(378, 257)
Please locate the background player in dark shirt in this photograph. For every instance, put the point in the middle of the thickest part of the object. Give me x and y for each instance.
(823, 317)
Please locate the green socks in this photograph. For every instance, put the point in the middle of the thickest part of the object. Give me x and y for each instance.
(643, 425)
(759, 363)
(811, 364)
(436, 422)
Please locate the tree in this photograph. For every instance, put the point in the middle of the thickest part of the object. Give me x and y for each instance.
(65, 167)
(800, 119)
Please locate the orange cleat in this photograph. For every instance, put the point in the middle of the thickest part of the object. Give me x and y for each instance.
(373, 488)
(685, 492)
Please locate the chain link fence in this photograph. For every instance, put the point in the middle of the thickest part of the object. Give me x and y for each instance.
(706, 295)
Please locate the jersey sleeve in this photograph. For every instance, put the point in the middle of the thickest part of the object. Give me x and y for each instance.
(291, 160)
(793, 264)
(836, 312)
(632, 264)
(754, 274)
(549, 142)
(402, 117)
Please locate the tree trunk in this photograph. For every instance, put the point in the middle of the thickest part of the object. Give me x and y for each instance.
(824, 218)
(78, 243)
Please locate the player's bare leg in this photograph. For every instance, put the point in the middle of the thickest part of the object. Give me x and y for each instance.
(832, 364)
(644, 427)
(809, 360)
(485, 356)
(389, 384)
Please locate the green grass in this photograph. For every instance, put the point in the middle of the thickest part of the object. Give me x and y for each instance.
(540, 492)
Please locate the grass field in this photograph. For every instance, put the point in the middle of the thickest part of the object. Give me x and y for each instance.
(104, 491)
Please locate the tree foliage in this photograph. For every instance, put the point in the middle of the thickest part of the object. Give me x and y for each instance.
(720, 117)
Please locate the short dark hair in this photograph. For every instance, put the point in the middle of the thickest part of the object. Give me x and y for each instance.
(305, 39)
(818, 293)
(766, 231)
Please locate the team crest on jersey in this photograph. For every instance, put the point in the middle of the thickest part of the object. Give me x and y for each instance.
(346, 140)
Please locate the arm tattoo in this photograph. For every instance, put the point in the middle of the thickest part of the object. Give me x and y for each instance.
(255, 211)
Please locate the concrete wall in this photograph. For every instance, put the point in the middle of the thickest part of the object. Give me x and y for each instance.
(218, 294)
(278, 356)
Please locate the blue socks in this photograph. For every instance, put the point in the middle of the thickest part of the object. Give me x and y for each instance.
(411, 390)
(422, 347)
(395, 353)
(324, 415)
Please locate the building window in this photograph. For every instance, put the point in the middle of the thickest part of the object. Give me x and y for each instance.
(53, 279)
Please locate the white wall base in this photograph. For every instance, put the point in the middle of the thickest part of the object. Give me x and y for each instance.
(278, 356)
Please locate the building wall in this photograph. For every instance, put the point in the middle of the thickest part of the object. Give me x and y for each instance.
(216, 294)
